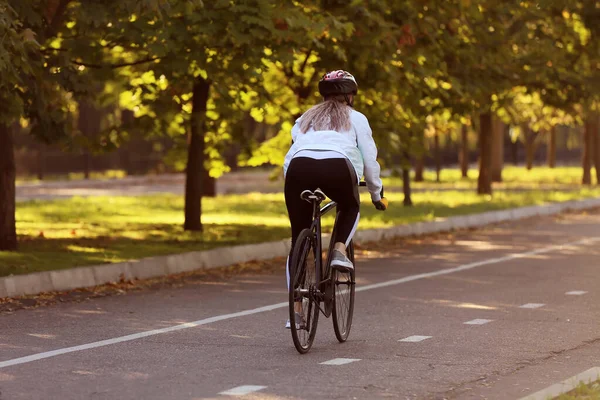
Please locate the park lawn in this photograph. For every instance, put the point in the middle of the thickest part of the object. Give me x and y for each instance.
(57, 234)
(512, 177)
(590, 391)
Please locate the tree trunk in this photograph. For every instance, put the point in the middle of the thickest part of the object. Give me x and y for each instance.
(484, 181)
(125, 162)
(87, 164)
(587, 153)
(514, 150)
(419, 166)
(596, 145)
(195, 162)
(406, 187)
(497, 155)
(88, 123)
(530, 146)
(40, 162)
(463, 155)
(436, 155)
(209, 185)
(551, 148)
(8, 231)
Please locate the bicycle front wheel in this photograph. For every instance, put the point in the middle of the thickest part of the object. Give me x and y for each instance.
(303, 293)
(343, 298)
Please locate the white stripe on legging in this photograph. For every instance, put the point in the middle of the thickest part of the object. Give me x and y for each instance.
(287, 272)
(353, 230)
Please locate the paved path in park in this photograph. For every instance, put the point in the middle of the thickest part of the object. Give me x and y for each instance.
(237, 182)
(496, 313)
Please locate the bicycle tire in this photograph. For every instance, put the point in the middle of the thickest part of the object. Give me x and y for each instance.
(304, 275)
(343, 284)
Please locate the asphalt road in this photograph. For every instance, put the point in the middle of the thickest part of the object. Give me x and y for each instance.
(200, 340)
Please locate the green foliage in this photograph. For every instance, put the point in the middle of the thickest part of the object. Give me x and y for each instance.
(421, 66)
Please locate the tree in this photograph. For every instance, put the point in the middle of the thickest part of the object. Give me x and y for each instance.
(484, 181)
(551, 148)
(533, 119)
(12, 47)
(595, 126)
(463, 155)
(38, 77)
(208, 69)
(502, 46)
(23, 92)
(497, 157)
(375, 29)
(8, 233)
(587, 154)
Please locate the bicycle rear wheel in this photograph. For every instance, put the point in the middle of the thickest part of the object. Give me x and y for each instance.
(304, 283)
(343, 298)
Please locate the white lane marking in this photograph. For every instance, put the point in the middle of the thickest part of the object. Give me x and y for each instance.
(414, 338)
(475, 265)
(532, 305)
(121, 339)
(340, 361)
(576, 292)
(478, 321)
(565, 386)
(242, 390)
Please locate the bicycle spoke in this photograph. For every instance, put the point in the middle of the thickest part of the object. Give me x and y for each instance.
(343, 283)
(305, 283)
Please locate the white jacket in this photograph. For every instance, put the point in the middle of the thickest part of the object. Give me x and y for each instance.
(357, 145)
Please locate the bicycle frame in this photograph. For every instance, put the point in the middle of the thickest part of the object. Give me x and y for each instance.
(325, 287)
(325, 272)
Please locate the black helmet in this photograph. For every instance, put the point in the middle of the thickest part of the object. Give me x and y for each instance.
(337, 82)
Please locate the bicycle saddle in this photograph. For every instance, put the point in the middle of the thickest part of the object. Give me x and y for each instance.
(309, 196)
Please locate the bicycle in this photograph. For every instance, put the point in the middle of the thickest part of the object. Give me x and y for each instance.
(313, 283)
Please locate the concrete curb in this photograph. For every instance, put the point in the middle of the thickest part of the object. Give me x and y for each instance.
(74, 278)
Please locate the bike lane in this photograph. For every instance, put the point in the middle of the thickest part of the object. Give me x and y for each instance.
(202, 361)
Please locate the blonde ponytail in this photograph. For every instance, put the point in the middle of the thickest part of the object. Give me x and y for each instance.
(330, 115)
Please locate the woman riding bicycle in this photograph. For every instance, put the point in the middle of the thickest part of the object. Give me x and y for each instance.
(332, 147)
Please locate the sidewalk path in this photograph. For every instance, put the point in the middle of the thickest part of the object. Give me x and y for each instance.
(232, 183)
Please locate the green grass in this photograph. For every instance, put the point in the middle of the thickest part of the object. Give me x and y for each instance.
(84, 231)
(589, 391)
(512, 177)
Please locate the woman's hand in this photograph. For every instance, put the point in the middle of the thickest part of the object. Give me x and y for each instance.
(382, 204)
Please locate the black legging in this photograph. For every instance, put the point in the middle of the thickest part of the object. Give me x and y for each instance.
(337, 179)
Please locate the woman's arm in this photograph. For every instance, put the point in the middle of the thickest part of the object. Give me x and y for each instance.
(368, 149)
